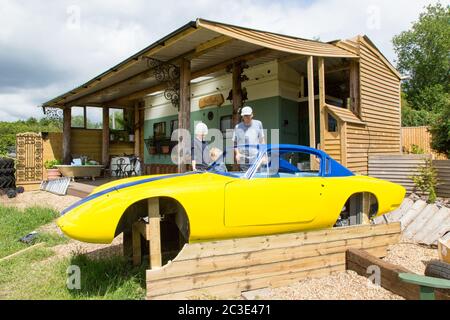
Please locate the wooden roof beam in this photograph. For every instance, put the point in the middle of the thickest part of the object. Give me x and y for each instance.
(199, 51)
(200, 73)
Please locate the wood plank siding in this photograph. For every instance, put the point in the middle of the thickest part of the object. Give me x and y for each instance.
(380, 111)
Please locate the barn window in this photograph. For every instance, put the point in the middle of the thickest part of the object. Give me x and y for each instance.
(116, 119)
(94, 118)
(77, 117)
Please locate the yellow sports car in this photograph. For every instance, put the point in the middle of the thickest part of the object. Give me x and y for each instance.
(287, 188)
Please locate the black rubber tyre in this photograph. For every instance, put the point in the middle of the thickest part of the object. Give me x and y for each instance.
(438, 269)
(6, 163)
(20, 189)
(11, 193)
(7, 182)
(7, 172)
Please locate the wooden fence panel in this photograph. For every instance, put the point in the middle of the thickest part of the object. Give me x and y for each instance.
(443, 170)
(421, 137)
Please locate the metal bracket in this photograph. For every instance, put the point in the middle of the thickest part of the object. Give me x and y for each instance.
(170, 74)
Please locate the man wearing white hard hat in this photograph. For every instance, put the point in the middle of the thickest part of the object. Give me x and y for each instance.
(248, 132)
(200, 158)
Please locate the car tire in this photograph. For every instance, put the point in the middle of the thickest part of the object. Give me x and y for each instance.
(438, 269)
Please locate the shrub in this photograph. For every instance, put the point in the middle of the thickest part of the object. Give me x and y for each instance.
(426, 180)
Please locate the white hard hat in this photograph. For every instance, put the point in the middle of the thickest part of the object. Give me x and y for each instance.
(201, 128)
(246, 111)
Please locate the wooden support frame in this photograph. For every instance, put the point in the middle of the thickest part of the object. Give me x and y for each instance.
(67, 134)
(237, 90)
(321, 63)
(184, 114)
(105, 137)
(151, 232)
(311, 107)
(137, 130)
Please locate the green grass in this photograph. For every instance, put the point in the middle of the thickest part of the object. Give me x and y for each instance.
(16, 223)
(40, 274)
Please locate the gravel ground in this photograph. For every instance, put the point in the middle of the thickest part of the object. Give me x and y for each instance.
(38, 198)
(411, 256)
(339, 286)
(350, 286)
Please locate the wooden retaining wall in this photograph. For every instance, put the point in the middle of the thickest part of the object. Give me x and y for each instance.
(224, 269)
(359, 261)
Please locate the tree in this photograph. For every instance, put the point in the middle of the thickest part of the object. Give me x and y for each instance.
(423, 56)
(440, 131)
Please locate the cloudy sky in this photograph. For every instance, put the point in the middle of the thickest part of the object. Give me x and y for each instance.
(48, 47)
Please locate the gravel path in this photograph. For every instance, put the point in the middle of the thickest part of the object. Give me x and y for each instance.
(350, 286)
(340, 286)
(411, 256)
(38, 198)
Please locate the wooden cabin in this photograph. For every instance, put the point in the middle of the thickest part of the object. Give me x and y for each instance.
(341, 96)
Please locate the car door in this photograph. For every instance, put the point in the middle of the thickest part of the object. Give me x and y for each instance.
(269, 201)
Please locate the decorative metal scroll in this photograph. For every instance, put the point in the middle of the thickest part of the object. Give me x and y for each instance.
(170, 74)
(53, 113)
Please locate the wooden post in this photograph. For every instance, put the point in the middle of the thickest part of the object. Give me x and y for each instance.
(354, 87)
(136, 240)
(322, 102)
(302, 86)
(311, 109)
(105, 137)
(67, 118)
(237, 91)
(137, 130)
(343, 133)
(185, 104)
(154, 236)
(365, 208)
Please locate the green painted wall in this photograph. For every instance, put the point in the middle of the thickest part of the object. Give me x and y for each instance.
(273, 112)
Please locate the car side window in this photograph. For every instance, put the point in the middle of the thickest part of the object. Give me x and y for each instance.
(287, 164)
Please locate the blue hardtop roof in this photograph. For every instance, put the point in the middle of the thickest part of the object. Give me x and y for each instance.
(333, 169)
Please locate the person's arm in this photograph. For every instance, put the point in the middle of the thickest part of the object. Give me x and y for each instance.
(262, 138)
(194, 165)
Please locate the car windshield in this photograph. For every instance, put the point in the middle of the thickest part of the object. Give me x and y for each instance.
(224, 163)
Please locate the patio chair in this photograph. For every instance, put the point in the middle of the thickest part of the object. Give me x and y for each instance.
(134, 168)
(121, 170)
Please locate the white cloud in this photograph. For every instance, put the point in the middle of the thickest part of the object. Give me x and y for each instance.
(53, 35)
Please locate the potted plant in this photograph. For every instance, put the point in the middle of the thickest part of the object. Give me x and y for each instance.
(52, 172)
(165, 146)
(151, 147)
